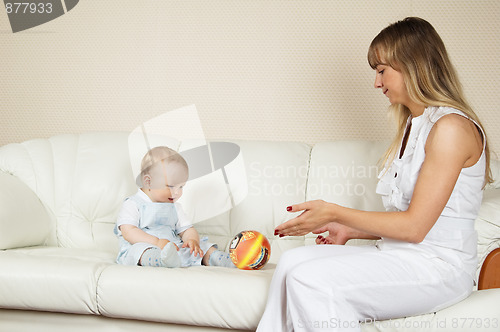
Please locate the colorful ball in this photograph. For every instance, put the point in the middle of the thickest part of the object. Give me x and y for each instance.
(250, 250)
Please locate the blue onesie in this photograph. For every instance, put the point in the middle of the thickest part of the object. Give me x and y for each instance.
(163, 220)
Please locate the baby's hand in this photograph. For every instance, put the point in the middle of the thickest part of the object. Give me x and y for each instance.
(163, 242)
(194, 246)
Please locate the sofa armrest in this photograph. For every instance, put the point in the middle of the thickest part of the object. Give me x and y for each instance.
(489, 277)
(24, 220)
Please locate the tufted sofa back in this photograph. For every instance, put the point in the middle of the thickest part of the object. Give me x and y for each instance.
(82, 181)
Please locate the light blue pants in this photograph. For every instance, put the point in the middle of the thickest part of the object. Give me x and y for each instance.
(134, 253)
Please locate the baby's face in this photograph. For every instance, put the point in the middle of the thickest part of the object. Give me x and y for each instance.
(166, 182)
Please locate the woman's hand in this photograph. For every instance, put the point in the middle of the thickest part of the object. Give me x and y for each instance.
(194, 246)
(337, 234)
(340, 234)
(316, 215)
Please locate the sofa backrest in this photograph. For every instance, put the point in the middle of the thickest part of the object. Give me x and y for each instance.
(83, 179)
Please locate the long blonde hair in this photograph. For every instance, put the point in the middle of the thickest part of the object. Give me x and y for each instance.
(413, 47)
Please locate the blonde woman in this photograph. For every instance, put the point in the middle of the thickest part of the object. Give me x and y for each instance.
(431, 186)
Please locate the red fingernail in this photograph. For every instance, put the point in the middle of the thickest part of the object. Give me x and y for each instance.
(276, 232)
(289, 208)
(281, 235)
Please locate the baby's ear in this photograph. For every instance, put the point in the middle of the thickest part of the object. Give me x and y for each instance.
(146, 180)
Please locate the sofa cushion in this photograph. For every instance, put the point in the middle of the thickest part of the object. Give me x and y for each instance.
(478, 312)
(81, 179)
(23, 222)
(276, 175)
(208, 296)
(345, 172)
(51, 279)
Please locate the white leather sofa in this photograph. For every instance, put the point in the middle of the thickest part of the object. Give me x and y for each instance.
(59, 198)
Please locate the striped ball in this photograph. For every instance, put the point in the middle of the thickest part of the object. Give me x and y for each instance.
(250, 250)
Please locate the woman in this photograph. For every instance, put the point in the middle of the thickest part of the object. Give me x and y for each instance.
(431, 186)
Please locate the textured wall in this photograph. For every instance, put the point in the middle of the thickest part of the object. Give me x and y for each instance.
(256, 69)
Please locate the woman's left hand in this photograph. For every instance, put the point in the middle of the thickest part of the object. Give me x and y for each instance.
(316, 214)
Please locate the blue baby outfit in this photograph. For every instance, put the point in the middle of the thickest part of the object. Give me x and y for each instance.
(160, 220)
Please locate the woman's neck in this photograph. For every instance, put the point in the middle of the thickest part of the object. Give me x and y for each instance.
(416, 109)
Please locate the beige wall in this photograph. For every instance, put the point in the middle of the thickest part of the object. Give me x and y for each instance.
(256, 69)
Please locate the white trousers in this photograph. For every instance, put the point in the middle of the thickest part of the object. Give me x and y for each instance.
(334, 288)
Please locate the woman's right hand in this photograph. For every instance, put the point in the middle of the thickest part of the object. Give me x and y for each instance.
(340, 234)
(337, 234)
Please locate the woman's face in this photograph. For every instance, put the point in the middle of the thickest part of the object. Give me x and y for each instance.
(391, 82)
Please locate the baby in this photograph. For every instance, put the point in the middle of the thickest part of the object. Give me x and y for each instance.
(152, 228)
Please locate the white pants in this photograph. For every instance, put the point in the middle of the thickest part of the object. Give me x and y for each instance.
(333, 288)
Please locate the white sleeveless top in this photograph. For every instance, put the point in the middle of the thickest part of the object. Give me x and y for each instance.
(453, 237)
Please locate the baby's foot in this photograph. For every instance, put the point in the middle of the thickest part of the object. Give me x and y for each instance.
(221, 258)
(169, 256)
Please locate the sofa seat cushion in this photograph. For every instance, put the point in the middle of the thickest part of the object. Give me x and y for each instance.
(478, 312)
(51, 279)
(206, 296)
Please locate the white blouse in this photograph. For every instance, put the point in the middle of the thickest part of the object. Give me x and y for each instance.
(453, 237)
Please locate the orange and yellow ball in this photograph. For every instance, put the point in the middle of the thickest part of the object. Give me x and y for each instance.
(249, 250)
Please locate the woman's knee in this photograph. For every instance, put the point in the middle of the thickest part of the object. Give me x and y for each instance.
(286, 257)
(306, 275)
(293, 257)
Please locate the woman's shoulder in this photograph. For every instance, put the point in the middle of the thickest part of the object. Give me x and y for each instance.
(448, 118)
(450, 121)
(435, 113)
(453, 121)
(452, 130)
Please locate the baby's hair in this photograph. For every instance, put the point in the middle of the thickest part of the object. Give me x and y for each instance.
(159, 154)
